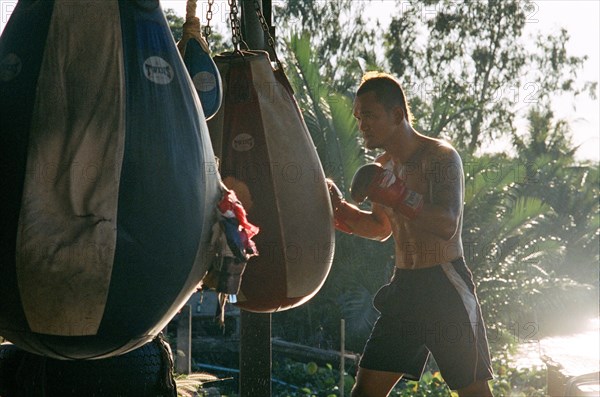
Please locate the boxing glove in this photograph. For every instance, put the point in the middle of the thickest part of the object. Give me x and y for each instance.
(342, 211)
(383, 187)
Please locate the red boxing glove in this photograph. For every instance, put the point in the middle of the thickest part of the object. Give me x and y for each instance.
(383, 187)
(342, 211)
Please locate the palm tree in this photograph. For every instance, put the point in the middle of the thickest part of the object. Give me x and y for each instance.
(505, 243)
(328, 114)
(531, 226)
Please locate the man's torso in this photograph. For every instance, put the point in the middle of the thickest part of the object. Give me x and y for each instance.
(414, 246)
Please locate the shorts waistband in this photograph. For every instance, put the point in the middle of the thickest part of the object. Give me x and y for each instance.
(425, 271)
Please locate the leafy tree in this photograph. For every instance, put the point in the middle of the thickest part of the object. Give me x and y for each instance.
(457, 77)
(506, 244)
(572, 190)
(507, 239)
(531, 226)
(175, 23)
(466, 66)
(553, 71)
(343, 53)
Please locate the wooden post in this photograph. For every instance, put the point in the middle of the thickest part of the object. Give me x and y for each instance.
(255, 354)
(342, 355)
(183, 358)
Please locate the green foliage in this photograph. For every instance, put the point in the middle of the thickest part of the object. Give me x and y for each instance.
(430, 384)
(297, 379)
(514, 240)
(522, 382)
(306, 379)
(554, 71)
(175, 23)
(343, 53)
(530, 225)
(467, 70)
(328, 115)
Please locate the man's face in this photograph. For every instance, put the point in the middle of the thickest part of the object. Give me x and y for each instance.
(374, 122)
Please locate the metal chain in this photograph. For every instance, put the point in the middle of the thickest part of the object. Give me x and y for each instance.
(265, 28)
(207, 30)
(263, 23)
(236, 29)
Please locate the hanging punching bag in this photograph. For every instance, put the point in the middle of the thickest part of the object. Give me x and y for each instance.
(109, 180)
(200, 65)
(269, 160)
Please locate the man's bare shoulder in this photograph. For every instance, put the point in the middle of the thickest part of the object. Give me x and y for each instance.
(440, 151)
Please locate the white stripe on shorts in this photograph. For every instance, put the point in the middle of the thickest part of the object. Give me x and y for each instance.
(469, 301)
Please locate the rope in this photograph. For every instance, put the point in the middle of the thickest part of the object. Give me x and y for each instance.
(191, 29)
(190, 9)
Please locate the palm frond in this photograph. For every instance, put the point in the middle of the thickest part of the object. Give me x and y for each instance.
(358, 310)
(328, 114)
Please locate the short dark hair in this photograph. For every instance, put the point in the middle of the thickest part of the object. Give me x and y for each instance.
(388, 91)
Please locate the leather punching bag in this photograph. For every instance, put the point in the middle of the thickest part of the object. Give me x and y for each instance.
(108, 173)
(268, 158)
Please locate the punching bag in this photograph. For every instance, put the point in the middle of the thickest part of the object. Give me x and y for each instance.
(268, 158)
(109, 178)
(200, 65)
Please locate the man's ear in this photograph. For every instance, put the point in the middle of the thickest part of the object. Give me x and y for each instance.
(398, 114)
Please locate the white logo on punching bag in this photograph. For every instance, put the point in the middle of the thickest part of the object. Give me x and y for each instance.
(243, 142)
(10, 67)
(158, 70)
(204, 81)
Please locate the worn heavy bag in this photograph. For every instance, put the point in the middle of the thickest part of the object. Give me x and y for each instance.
(108, 174)
(269, 160)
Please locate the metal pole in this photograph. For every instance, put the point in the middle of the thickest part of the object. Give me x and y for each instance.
(255, 354)
(251, 29)
(183, 358)
(255, 338)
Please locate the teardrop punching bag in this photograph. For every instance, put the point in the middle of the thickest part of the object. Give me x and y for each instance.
(109, 178)
(200, 65)
(269, 160)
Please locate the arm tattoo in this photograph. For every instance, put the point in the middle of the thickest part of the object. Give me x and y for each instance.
(445, 180)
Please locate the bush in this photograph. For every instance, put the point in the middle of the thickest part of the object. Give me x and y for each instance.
(297, 379)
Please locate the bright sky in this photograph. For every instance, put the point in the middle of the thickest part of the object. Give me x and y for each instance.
(581, 18)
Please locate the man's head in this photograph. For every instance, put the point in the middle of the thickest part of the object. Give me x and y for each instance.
(387, 90)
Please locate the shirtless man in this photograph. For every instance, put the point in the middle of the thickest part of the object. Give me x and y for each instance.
(416, 188)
